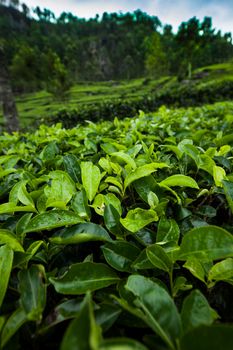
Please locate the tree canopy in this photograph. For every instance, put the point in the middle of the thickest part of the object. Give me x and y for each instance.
(43, 49)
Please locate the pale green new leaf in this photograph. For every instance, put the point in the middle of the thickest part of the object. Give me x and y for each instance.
(91, 177)
(179, 180)
(142, 171)
(138, 218)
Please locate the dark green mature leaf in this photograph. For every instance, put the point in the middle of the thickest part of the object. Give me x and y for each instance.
(80, 205)
(120, 255)
(33, 291)
(84, 277)
(217, 337)
(52, 219)
(81, 233)
(12, 325)
(112, 219)
(138, 218)
(228, 189)
(207, 243)
(196, 311)
(6, 260)
(142, 262)
(22, 224)
(107, 314)
(168, 231)
(72, 167)
(83, 333)
(158, 257)
(158, 307)
(49, 151)
(144, 186)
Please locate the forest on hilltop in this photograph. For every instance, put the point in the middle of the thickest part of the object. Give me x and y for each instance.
(45, 52)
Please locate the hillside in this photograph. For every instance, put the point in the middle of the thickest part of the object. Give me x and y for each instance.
(207, 85)
(45, 52)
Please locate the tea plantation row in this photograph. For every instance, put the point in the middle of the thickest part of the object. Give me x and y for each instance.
(118, 235)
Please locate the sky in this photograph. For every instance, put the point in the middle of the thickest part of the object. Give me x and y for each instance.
(169, 11)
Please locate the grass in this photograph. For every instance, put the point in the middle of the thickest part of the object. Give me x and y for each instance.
(41, 105)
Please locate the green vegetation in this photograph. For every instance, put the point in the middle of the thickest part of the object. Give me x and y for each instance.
(105, 100)
(114, 47)
(118, 235)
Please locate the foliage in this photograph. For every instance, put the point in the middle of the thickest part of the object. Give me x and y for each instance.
(115, 46)
(172, 94)
(118, 235)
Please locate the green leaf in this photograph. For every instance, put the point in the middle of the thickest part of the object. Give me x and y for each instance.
(215, 337)
(219, 174)
(80, 205)
(22, 224)
(144, 186)
(11, 208)
(152, 200)
(124, 157)
(14, 322)
(84, 277)
(120, 255)
(121, 344)
(138, 218)
(52, 219)
(9, 238)
(206, 243)
(142, 171)
(61, 189)
(111, 199)
(179, 180)
(33, 291)
(19, 193)
(196, 311)
(72, 167)
(90, 179)
(142, 262)
(228, 189)
(106, 314)
(81, 233)
(159, 258)
(49, 152)
(24, 197)
(83, 333)
(159, 310)
(222, 271)
(112, 220)
(168, 231)
(196, 268)
(6, 261)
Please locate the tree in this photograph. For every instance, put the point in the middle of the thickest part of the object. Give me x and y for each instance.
(6, 96)
(155, 62)
(26, 69)
(25, 9)
(57, 80)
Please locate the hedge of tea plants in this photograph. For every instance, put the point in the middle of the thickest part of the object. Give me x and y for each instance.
(118, 235)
